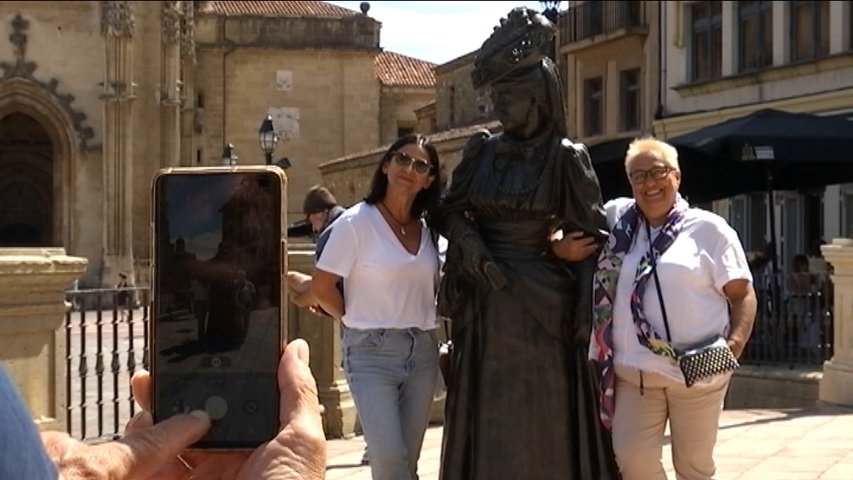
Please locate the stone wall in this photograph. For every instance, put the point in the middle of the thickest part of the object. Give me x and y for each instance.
(458, 104)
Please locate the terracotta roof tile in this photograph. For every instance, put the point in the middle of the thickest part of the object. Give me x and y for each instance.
(286, 9)
(394, 69)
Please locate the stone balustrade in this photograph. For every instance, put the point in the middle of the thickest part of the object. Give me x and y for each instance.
(32, 340)
(837, 384)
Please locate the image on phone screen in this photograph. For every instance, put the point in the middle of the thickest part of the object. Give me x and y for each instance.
(216, 326)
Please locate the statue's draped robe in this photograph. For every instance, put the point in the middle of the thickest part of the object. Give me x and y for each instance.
(522, 402)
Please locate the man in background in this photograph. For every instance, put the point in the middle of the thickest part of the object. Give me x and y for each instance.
(321, 209)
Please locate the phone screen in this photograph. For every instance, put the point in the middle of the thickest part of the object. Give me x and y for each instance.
(216, 325)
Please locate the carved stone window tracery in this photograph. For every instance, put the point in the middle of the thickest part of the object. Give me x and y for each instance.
(117, 19)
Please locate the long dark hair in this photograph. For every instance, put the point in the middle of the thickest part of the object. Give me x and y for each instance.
(426, 201)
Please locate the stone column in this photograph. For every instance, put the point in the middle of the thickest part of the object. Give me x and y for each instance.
(324, 336)
(117, 28)
(32, 340)
(170, 89)
(837, 383)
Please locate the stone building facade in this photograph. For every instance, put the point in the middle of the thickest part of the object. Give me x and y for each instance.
(609, 51)
(97, 96)
(724, 60)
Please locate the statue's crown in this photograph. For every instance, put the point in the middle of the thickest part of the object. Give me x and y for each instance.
(521, 40)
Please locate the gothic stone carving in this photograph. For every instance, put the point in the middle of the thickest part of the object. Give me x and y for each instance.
(117, 19)
(171, 22)
(24, 69)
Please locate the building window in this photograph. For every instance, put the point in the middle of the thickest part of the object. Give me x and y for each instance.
(707, 40)
(809, 29)
(755, 21)
(593, 106)
(403, 131)
(630, 88)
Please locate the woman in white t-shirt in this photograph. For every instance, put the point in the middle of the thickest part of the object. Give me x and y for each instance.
(647, 306)
(383, 250)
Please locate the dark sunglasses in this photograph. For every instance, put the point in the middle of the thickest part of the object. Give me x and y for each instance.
(403, 160)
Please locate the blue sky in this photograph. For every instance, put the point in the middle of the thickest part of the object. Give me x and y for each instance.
(437, 31)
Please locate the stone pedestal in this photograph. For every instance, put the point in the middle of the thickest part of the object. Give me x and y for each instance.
(837, 384)
(32, 314)
(324, 336)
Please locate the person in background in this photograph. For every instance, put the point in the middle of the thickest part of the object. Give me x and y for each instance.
(670, 277)
(383, 250)
(122, 297)
(159, 451)
(321, 209)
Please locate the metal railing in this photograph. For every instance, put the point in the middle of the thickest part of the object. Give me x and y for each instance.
(593, 18)
(104, 344)
(794, 323)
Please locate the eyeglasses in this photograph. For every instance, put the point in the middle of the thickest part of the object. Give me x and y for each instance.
(655, 173)
(403, 160)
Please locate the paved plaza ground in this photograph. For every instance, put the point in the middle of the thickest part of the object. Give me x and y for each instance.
(795, 444)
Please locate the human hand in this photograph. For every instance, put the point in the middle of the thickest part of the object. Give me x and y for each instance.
(574, 246)
(736, 345)
(152, 451)
(142, 453)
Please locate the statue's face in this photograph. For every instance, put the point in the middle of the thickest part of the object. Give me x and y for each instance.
(515, 107)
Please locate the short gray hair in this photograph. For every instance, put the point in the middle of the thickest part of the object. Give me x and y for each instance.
(653, 147)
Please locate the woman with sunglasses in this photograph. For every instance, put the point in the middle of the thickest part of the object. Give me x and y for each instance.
(671, 277)
(384, 251)
(520, 401)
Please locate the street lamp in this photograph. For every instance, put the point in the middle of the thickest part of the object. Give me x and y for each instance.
(267, 138)
(229, 156)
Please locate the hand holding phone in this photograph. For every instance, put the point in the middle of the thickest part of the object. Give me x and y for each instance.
(217, 321)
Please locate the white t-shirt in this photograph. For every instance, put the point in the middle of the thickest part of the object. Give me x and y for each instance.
(705, 256)
(385, 286)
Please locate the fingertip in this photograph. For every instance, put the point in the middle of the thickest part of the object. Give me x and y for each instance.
(300, 349)
(140, 386)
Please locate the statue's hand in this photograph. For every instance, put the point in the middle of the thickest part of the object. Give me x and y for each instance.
(475, 256)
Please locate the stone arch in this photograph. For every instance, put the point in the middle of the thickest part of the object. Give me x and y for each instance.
(19, 95)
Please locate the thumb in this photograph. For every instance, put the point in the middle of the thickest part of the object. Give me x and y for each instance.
(142, 452)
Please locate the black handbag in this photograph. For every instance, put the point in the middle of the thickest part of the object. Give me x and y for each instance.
(705, 359)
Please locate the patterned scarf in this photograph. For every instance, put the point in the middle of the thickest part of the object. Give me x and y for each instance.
(604, 290)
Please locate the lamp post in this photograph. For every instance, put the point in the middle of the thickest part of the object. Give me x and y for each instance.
(268, 138)
(229, 156)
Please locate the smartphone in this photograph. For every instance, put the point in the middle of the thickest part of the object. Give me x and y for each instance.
(217, 322)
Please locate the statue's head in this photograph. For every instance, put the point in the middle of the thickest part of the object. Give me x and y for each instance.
(521, 42)
(516, 56)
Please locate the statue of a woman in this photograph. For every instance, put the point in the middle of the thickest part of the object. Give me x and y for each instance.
(521, 401)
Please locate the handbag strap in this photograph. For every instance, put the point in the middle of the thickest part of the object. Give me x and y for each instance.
(654, 263)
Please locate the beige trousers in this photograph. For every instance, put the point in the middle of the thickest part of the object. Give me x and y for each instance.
(640, 421)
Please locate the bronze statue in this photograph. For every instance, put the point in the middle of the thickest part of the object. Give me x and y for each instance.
(521, 400)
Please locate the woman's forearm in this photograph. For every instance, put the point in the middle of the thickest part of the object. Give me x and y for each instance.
(328, 297)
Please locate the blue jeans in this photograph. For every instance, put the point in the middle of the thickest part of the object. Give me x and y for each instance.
(392, 375)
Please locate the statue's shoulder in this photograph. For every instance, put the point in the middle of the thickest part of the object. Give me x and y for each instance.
(476, 143)
(575, 149)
